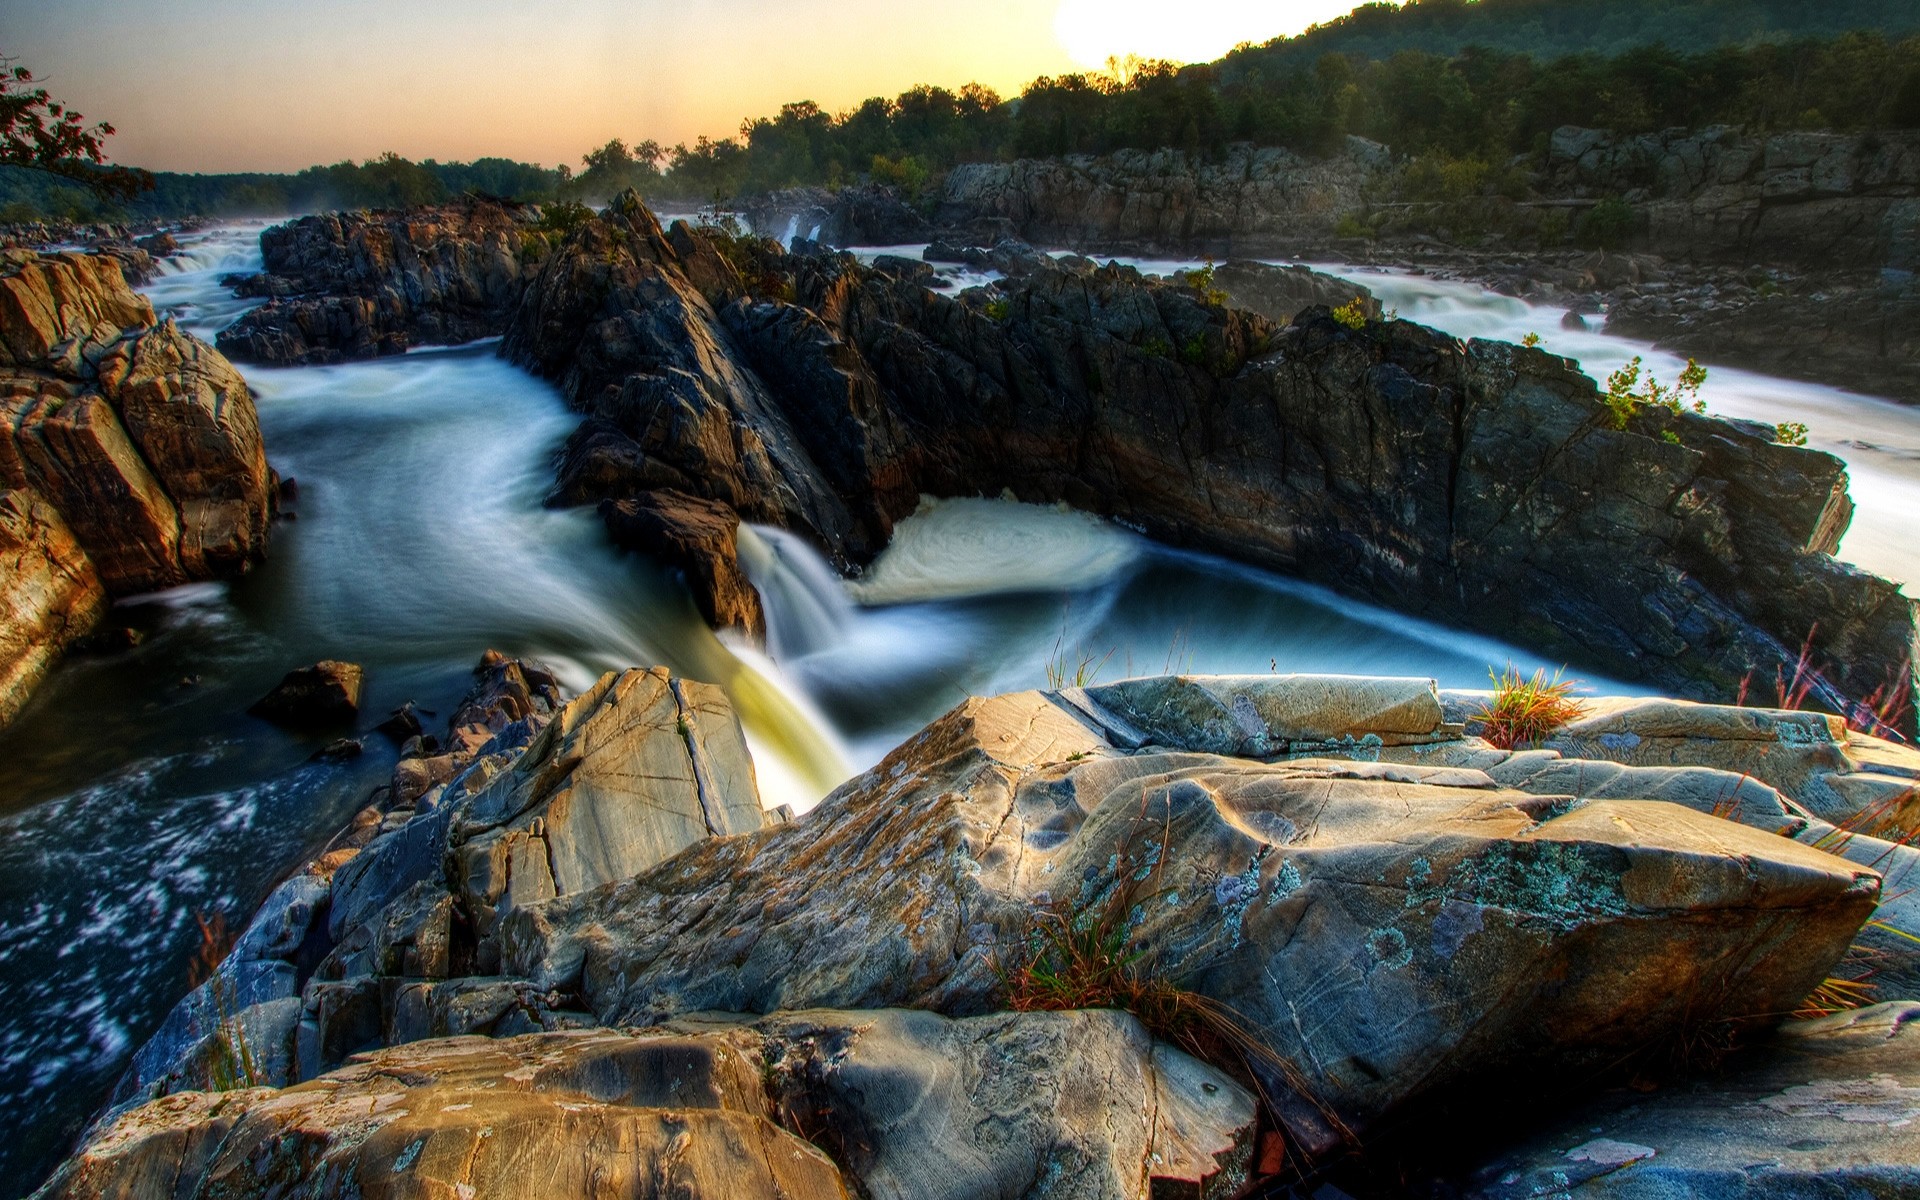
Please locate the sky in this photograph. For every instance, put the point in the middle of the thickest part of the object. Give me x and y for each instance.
(276, 85)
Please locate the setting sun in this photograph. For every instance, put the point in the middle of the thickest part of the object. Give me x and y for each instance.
(1092, 31)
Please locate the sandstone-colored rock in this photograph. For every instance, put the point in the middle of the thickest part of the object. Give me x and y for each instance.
(1256, 716)
(78, 455)
(1388, 929)
(1824, 1109)
(50, 595)
(192, 418)
(635, 770)
(555, 1115)
(50, 302)
(915, 1106)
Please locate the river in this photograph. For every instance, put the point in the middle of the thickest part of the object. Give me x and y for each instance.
(138, 794)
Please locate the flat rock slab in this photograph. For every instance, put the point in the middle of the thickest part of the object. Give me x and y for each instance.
(1827, 1109)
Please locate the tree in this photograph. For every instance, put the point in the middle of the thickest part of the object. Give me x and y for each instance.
(39, 133)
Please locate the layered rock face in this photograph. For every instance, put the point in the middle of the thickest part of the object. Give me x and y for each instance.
(869, 215)
(1254, 201)
(1396, 910)
(1480, 484)
(359, 285)
(142, 439)
(1825, 200)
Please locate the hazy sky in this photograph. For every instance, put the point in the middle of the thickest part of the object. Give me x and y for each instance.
(226, 85)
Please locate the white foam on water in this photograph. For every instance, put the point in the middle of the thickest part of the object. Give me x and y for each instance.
(977, 547)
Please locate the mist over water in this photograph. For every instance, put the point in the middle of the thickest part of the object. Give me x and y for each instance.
(140, 794)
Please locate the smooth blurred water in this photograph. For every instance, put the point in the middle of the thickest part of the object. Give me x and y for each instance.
(137, 792)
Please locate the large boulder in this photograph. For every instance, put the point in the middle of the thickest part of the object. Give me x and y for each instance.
(142, 438)
(1281, 293)
(358, 285)
(911, 1106)
(1388, 930)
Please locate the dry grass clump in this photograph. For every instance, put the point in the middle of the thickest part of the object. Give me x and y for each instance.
(1525, 711)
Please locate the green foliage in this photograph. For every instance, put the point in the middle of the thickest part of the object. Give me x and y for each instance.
(1353, 315)
(1608, 224)
(562, 217)
(1632, 388)
(1669, 437)
(906, 173)
(998, 309)
(1194, 351)
(1352, 225)
(1200, 279)
(1790, 433)
(39, 133)
(1530, 341)
(1157, 346)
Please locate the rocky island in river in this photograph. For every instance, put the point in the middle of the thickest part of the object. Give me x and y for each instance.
(1041, 658)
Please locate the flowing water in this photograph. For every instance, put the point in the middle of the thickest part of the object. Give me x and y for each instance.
(139, 795)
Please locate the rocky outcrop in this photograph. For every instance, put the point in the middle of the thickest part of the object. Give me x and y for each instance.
(346, 286)
(914, 1107)
(1397, 911)
(141, 438)
(1826, 1109)
(1477, 483)
(865, 215)
(1251, 202)
(1823, 200)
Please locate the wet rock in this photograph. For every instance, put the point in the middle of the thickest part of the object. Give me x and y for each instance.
(50, 595)
(327, 693)
(700, 539)
(1446, 929)
(402, 723)
(141, 438)
(339, 750)
(1825, 1108)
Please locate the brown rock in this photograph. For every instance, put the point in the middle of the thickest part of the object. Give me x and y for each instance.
(50, 595)
(701, 539)
(327, 693)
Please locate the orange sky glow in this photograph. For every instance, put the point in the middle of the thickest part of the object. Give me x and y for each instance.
(274, 85)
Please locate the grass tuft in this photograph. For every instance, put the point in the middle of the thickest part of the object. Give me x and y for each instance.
(1524, 711)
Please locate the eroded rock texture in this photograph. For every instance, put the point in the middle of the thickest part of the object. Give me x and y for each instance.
(1477, 483)
(344, 286)
(141, 438)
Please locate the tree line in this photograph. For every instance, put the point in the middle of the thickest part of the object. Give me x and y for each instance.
(1478, 105)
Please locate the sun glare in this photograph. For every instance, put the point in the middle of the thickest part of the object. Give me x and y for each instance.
(1092, 31)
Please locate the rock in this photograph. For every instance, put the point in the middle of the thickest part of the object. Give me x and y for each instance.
(50, 595)
(1283, 293)
(1476, 483)
(699, 539)
(402, 723)
(327, 693)
(864, 215)
(339, 750)
(141, 438)
(1825, 1108)
(1443, 928)
(917, 1107)
(523, 1118)
(1573, 322)
(359, 285)
(638, 768)
(1251, 202)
